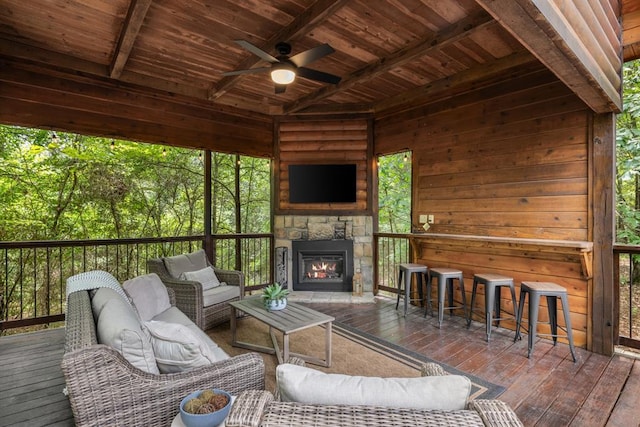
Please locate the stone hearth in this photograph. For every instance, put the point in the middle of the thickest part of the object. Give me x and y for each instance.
(288, 228)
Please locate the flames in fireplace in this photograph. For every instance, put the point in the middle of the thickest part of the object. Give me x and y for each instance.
(322, 265)
(322, 270)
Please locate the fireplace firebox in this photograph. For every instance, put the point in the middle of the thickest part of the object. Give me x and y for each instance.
(322, 265)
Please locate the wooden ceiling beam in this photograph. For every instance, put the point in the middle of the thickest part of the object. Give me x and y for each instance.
(468, 79)
(631, 35)
(544, 31)
(132, 24)
(399, 58)
(304, 23)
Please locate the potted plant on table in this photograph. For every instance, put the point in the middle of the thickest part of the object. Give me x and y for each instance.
(274, 297)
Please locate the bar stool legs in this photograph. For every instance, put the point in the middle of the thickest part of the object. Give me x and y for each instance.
(407, 270)
(493, 284)
(445, 277)
(551, 291)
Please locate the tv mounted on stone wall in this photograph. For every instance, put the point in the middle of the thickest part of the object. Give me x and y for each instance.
(315, 183)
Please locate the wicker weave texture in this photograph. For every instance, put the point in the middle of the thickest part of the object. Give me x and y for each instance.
(105, 389)
(298, 414)
(189, 297)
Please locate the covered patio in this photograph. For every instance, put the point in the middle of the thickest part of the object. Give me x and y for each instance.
(546, 390)
(507, 107)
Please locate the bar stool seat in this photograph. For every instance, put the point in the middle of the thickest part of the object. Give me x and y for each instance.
(445, 277)
(407, 270)
(493, 284)
(552, 292)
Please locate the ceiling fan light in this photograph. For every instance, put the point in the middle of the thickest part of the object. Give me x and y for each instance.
(282, 74)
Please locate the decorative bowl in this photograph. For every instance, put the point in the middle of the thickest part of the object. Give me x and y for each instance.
(211, 419)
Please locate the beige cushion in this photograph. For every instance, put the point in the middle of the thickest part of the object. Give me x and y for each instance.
(148, 294)
(220, 294)
(306, 385)
(119, 328)
(206, 276)
(177, 348)
(178, 264)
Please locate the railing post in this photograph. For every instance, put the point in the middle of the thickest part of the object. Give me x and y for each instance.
(208, 238)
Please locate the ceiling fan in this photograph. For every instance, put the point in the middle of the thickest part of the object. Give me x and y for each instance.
(284, 68)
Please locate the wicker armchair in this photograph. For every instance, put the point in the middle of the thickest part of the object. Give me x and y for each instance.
(105, 389)
(189, 294)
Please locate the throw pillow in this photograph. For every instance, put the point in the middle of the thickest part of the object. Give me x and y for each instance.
(207, 277)
(149, 295)
(306, 385)
(177, 348)
(119, 328)
(178, 264)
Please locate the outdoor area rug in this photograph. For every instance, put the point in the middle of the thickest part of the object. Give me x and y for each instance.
(353, 353)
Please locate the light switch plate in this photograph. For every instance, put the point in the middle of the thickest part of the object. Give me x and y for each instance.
(430, 219)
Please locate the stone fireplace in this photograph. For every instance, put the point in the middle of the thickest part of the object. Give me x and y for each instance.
(353, 232)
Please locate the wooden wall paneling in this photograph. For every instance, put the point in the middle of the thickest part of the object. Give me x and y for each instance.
(524, 262)
(512, 164)
(318, 141)
(603, 207)
(69, 103)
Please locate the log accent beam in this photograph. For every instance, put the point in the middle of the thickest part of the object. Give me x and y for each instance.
(135, 17)
(304, 23)
(546, 32)
(438, 40)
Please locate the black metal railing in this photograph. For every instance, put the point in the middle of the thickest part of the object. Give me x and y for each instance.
(626, 265)
(33, 274)
(389, 250)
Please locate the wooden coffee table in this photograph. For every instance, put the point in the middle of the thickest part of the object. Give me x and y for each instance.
(294, 317)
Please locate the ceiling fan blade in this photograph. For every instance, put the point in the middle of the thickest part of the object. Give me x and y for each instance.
(313, 54)
(319, 76)
(257, 51)
(249, 71)
(280, 88)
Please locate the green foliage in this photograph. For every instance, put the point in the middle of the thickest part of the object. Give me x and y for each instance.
(274, 292)
(394, 193)
(628, 158)
(56, 186)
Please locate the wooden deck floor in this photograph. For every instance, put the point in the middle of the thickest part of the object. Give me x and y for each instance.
(546, 390)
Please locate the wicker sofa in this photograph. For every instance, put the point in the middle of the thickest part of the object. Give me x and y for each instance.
(104, 388)
(260, 408)
(190, 297)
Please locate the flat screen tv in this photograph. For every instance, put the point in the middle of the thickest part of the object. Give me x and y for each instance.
(322, 183)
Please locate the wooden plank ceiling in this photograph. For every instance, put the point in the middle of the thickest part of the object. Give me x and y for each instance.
(391, 55)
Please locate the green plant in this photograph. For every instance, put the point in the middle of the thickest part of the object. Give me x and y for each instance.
(274, 292)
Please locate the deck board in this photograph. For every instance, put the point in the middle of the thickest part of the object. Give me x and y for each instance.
(31, 388)
(547, 389)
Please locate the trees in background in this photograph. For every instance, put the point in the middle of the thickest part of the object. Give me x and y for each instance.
(628, 158)
(60, 186)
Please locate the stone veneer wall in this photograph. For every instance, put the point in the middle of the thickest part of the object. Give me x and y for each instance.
(357, 228)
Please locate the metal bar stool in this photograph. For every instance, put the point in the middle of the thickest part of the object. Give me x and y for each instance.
(407, 270)
(445, 277)
(552, 292)
(493, 284)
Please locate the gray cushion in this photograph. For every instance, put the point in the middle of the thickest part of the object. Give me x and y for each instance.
(206, 277)
(220, 294)
(178, 264)
(100, 298)
(120, 328)
(306, 385)
(149, 295)
(177, 348)
(174, 315)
